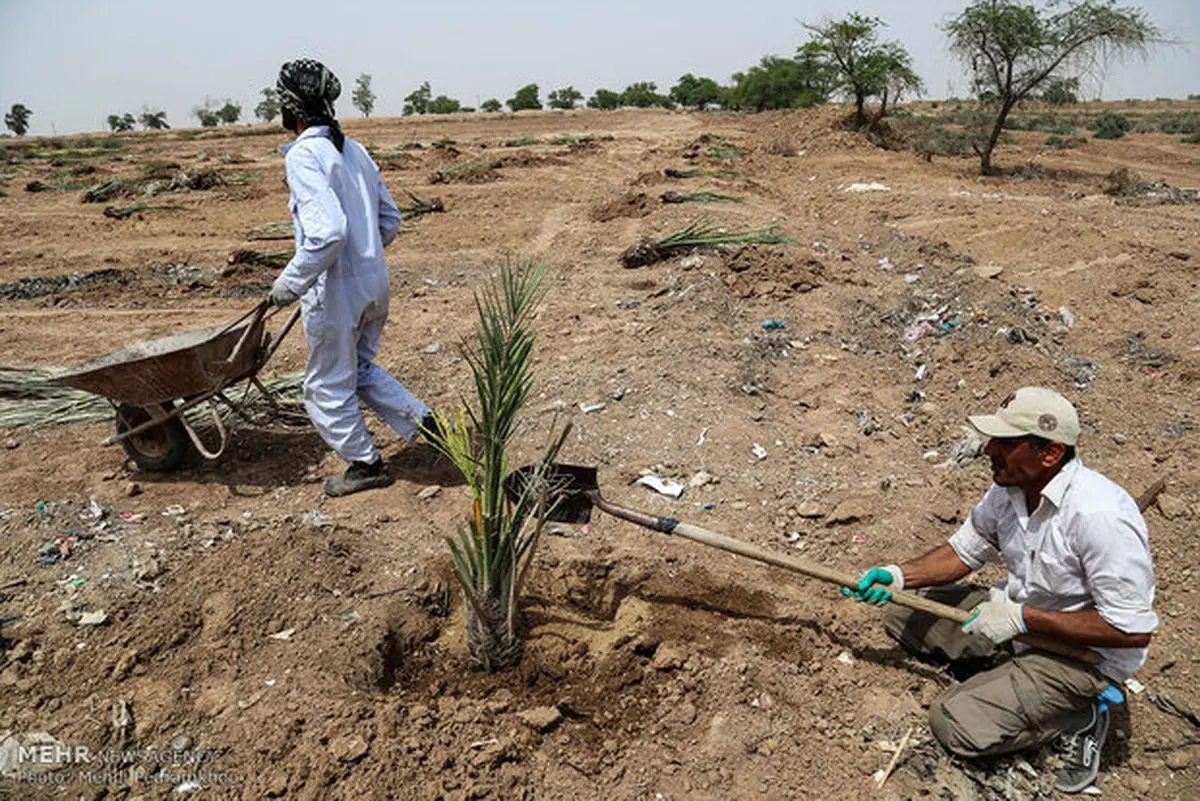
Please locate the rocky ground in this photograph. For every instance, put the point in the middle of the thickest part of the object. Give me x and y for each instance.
(230, 633)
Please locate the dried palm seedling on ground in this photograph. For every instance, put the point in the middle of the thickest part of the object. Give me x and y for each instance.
(702, 233)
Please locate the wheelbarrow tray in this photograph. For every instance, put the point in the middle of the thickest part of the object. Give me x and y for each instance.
(179, 366)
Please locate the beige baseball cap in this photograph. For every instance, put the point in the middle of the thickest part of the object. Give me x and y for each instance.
(1031, 410)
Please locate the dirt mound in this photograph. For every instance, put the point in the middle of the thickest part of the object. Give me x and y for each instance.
(816, 130)
(772, 272)
(633, 205)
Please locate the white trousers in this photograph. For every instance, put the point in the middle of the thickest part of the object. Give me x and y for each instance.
(342, 372)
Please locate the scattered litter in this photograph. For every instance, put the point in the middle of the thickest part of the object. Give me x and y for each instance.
(1025, 768)
(588, 408)
(708, 507)
(885, 264)
(965, 450)
(350, 617)
(1067, 317)
(703, 436)
(845, 658)
(773, 325)
(759, 451)
(873, 186)
(692, 262)
(672, 489)
(269, 682)
(284, 635)
(922, 373)
(1093, 790)
(929, 456)
(130, 517)
(174, 510)
(429, 492)
(859, 539)
(911, 278)
(317, 519)
(187, 787)
(1134, 686)
(921, 328)
(77, 581)
(793, 536)
(433, 348)
(97, 618)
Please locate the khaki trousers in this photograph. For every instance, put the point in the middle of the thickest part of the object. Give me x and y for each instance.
(1019, 704)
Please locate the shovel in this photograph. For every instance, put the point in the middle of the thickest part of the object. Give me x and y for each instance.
(573, 490)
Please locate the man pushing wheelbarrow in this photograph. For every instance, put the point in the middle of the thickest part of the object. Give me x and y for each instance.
(344, 217)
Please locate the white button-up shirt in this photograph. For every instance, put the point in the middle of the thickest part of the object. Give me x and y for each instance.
(1085, 547)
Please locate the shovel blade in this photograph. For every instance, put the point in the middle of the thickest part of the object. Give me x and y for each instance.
(569, 489)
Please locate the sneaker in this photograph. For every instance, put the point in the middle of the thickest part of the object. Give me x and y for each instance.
(359, 476)
(1079, 748)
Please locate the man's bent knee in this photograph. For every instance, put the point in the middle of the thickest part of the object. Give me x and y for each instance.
(957, 735)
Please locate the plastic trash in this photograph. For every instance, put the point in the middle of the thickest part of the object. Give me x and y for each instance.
(672, 489)
(1067, 317)
(759, 451)
(872, 186)
(174, 510)
(773, 325)
(588, 408)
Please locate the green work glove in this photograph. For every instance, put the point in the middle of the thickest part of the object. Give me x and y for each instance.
(873, 587)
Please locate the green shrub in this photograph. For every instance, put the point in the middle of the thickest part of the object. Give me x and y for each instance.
(1194, 139)
(1111, 126)
(1062, 130)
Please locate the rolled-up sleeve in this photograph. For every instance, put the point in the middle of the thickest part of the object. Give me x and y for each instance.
(1119, 570)
(319, 218)
(976, 542)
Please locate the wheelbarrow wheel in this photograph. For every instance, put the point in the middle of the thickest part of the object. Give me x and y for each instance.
(157, 450)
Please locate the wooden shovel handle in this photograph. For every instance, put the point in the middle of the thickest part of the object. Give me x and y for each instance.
(903, 597)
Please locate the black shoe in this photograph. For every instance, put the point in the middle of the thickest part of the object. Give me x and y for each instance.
(431, 430)
(359, 476)
(1079, 748)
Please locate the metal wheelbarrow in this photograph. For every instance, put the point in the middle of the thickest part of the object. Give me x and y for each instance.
(153, 384)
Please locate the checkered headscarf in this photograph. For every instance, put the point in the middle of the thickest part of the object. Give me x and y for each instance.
(308, 88)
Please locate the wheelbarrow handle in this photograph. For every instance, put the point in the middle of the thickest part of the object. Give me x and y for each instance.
(904, 598)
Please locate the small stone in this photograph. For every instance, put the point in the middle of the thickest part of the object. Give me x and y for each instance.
(739, 506)
(124, 665)
(668, 657)
(11, 444)
(1138, 784)
(810, 509)
(276, 785)
(131, 489)
(700, 479)
(418, 711)
(1171, 506)
(987, 270)
(97, 618)
(849, 511)
(181, 743)
(349, 749)
(542, 718)
(1179, 759)
(429, 492)
(433, 348)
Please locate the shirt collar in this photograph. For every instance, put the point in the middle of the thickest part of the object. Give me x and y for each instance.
(1058, 486)
(310, 131)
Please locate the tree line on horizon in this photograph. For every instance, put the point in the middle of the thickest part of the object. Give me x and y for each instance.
(1012, 52)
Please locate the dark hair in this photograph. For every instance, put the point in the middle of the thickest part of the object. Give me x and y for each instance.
(1037, 443)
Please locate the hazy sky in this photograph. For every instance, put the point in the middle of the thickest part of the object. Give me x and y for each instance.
(74, 62)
